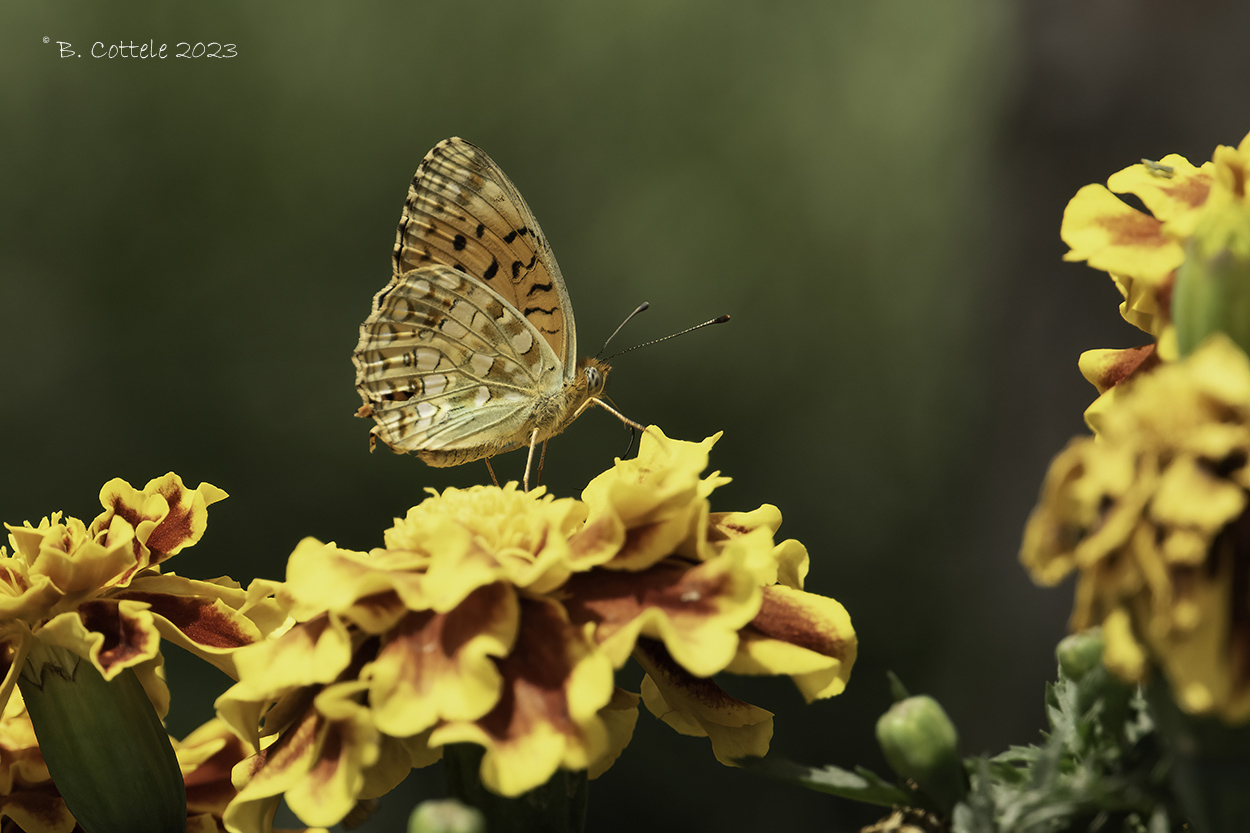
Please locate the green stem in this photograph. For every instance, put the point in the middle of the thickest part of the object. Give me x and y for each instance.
(1210, 764)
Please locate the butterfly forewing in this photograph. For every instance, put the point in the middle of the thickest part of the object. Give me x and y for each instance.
(463, 212)
(444, 362)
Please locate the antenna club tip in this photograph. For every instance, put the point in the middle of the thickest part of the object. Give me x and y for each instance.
(721, 320)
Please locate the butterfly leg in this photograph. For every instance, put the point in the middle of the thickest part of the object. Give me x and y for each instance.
(529, 461)
(542, 458)
(491, 469)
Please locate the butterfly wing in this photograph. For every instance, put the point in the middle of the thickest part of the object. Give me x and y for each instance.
(448, 368)
(462, 211)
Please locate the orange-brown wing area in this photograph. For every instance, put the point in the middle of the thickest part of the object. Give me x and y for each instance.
(462, 211)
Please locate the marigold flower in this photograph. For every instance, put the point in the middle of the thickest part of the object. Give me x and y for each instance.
(497, 617)
(97, 589)
(1152, 514)
(1142, 251)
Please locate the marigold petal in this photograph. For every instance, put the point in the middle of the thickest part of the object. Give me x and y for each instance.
(322, 577)
(320, 764)
(435, 666)
(211, 619)
(806, 636)
(1104, 369)
(620, 716)
(521, 537)
(1175, 199)
(165, 514)
(56, 566)
(114, 635)
(311, 653)
(555, 683)
(697, 706)
(696, 610)
(1115, 237)
(1122, 654)
(658, 496)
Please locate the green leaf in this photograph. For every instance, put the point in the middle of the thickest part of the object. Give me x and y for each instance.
(860, 785)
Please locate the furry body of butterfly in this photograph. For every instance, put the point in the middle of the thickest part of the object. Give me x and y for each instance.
(470, 350)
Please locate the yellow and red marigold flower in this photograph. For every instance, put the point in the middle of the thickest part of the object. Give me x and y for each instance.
(97, 589)
(1142, 251)
(497, 618)
(1153, 515)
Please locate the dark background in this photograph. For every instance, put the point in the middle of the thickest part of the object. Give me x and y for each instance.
(873, 191)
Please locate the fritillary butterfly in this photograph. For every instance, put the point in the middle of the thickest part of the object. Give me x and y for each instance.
(471, 349)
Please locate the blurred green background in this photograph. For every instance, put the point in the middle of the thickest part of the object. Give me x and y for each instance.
(872, 190)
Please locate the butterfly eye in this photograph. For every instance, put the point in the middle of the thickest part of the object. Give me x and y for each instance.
(594, 380)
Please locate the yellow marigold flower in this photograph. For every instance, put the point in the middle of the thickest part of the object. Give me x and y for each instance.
(1189, 210)
(1153, 517)
(97, 589)
(497, 617)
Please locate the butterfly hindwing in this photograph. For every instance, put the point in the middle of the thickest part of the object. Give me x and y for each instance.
(462, 211)
(444, 362)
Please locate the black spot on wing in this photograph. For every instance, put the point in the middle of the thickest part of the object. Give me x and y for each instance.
(491, 270)
(481, 229)
(539, 287)
(458, 242)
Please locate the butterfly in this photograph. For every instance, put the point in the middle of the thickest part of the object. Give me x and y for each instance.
(471, 349)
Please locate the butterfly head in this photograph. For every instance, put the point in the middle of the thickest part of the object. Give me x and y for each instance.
(593, 374)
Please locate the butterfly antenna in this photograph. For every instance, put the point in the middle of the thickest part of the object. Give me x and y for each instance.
(718, 320)
(641, 308)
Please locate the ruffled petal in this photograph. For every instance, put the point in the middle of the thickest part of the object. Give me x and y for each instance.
(695, 610)
(1102, 229)
(436, 666)
(555, 683)
(806, 636)
(698, 707)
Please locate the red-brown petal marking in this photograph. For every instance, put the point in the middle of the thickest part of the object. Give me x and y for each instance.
(175, 530)
(37, 807)
(699, 707)
(779, 619)
(1130, 361)
(209, 788)
(124, 639)
(1191, 190)
(1134, 229)
(699, 689)
(200, 619)
(536, 674)
(612, 599)
(434, 666)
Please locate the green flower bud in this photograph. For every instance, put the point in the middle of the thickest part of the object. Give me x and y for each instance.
(446, 816)
(1080, 653)
(920, 744)
(1212, 290)
(105, 748)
